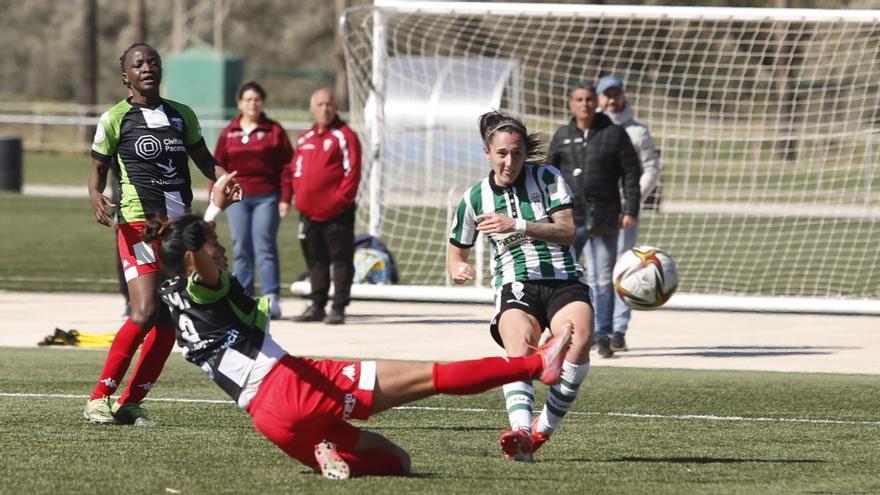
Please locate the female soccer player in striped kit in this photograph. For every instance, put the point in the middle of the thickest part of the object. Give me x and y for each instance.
(299, 404)
(525, 210)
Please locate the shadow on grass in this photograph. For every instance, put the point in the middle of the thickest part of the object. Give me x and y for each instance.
(433, 428)
(403, 319)
(735, 351)
(714, 460)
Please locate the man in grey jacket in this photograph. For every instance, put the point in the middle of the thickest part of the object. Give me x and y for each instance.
(599, 163)
(612, 100)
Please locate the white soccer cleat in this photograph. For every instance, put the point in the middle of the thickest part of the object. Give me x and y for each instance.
(333, 466)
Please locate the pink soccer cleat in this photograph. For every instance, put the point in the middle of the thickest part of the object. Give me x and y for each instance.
(539, 438)
(553, 353)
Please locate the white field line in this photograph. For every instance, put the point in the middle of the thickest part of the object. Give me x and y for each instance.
(700, 417)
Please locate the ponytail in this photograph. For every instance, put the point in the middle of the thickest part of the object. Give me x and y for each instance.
(494, 121)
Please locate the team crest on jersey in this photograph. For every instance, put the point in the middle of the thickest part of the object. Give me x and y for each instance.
(177, 123)
(327, 144)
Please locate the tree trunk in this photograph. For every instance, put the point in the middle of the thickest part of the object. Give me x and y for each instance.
(341, 89)
(138, 22)
(88, 69)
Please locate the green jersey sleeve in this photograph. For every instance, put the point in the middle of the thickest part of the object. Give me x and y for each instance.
(106, 136)
(204, 295)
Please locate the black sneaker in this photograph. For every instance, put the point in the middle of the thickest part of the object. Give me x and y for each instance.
(312, 313)
(604, 345)
(618, 342)
(336, 317)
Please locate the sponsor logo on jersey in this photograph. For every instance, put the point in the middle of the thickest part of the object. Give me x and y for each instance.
(504, 242)
(174, 145)
(148, 147)
(167, 170)
(231, 338)
(348, 372)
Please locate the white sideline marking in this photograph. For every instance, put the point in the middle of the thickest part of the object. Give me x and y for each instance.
(705, 417)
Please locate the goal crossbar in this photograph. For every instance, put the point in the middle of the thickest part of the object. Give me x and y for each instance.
(640, 11)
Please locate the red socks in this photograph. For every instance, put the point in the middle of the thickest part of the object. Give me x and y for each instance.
(119, 356)
(157, 346)
(480, 375)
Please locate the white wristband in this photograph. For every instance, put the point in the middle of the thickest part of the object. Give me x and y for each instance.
(211, 195)
(212, 212)
(520, 225)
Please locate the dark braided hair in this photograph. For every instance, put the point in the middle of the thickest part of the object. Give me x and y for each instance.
(170, 234)
(494, 121)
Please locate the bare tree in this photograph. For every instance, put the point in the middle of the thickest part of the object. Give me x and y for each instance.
(341, 88)
(138, 21)
(88, 87)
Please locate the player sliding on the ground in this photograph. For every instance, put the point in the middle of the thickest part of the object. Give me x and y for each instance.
(525, 211)
(299, 404)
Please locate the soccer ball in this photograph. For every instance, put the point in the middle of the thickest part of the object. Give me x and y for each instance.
(645, 277)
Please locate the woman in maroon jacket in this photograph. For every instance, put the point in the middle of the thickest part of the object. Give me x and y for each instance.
(258, 149)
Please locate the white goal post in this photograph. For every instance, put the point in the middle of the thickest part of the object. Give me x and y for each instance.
(767, 120)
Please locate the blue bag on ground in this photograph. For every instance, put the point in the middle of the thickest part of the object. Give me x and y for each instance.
(373, 263)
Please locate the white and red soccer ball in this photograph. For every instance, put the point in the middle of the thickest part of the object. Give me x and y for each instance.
(645, 277)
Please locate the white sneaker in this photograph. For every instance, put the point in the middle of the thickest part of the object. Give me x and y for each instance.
(274, 307)
(333, 466)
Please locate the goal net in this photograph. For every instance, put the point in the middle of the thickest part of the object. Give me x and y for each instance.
(767, 120)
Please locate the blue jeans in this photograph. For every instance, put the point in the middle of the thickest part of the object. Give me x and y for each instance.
(625, 240)
(253, 225)
(600, 253)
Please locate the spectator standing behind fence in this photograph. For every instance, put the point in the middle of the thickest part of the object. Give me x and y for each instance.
(323, 180)
(597, 158)
(257, 148)
(612, 100)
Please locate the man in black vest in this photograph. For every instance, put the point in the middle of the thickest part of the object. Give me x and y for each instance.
(597, 158)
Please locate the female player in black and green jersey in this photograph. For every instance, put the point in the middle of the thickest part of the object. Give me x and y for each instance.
(303, 405)
(152, 139)
(525, 211)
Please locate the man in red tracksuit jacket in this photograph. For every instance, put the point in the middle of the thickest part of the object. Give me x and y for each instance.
(323, 179)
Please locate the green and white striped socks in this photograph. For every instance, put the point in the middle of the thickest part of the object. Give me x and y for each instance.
(561, 396)
(520, 400)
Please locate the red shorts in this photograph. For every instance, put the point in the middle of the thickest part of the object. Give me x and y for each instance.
(303, 401)
(138, 257)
